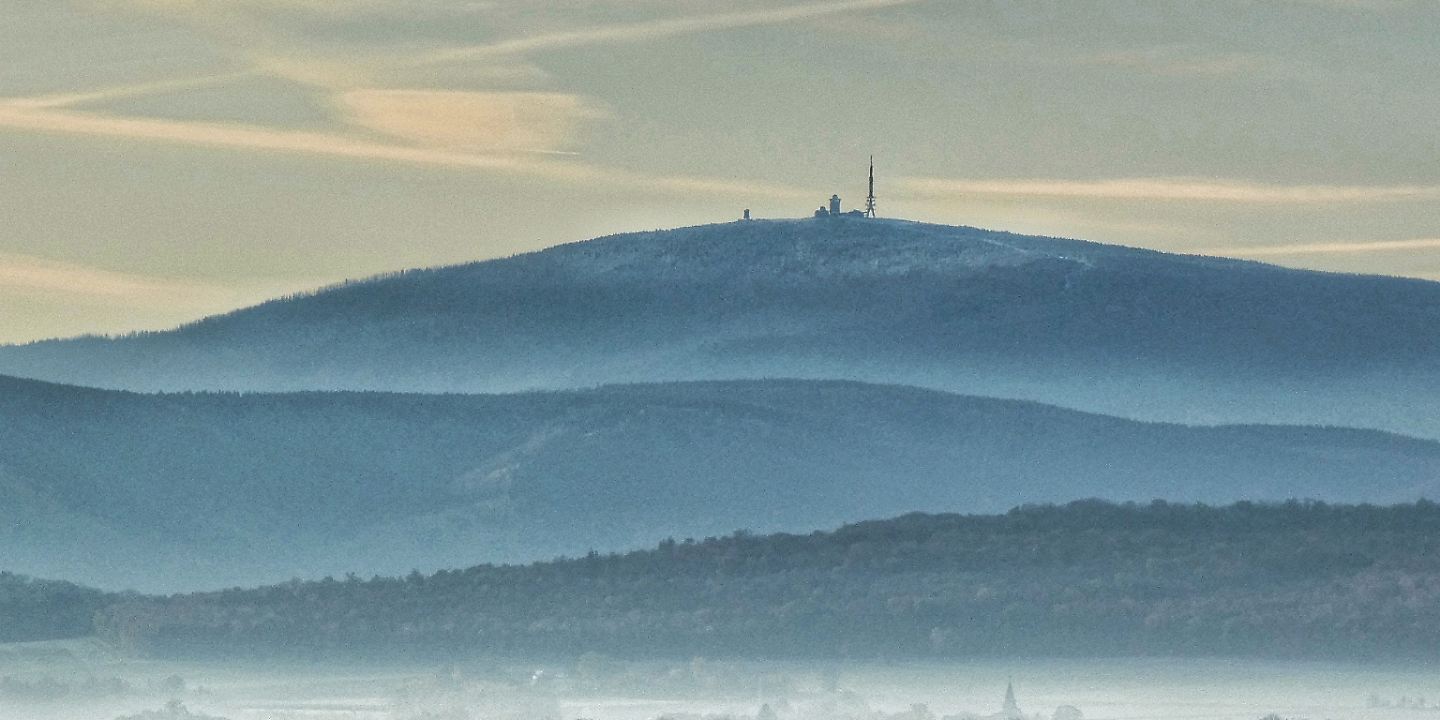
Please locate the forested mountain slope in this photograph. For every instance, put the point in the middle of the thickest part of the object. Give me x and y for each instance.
(1087, 579)
(1114, 330)
(176, 491)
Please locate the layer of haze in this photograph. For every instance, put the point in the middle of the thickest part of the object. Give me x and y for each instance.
(165, 159)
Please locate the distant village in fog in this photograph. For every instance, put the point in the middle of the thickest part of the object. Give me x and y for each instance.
(849, 706)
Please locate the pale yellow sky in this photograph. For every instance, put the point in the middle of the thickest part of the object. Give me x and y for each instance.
(165, 159)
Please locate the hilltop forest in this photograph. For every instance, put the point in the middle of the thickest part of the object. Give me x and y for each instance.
(1086, 579)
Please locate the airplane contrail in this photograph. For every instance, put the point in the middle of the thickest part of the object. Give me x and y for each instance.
(651, 29)
(125, 91)
(1180, 189)
(1339, 248)
(52, 120)
(265, 139)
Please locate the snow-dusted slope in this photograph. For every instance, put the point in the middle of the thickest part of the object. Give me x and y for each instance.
(193, 490)
(1115, 330)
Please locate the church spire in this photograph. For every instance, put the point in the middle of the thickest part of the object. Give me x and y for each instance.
(1011, 707)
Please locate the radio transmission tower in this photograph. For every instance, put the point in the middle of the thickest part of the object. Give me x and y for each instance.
(870, 199)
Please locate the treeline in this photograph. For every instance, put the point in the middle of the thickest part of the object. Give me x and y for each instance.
(1088, 578)
(33, 609)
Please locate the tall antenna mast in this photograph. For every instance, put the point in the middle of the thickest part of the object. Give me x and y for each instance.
(870, 199)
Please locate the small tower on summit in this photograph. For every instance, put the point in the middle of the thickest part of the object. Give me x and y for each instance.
(870, 199)
(834, 204)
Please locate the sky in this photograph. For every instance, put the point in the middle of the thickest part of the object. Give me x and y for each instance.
(162, 160)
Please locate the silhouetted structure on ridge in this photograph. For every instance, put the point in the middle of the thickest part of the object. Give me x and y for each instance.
(870, 199)
(833, 209)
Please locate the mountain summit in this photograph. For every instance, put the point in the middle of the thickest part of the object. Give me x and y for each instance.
(1123, 331)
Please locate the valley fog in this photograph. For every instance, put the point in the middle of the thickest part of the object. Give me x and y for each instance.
(719, 360)
(82, 680)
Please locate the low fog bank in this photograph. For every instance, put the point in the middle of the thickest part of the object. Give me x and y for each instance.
(84, 682)
(1322, 612)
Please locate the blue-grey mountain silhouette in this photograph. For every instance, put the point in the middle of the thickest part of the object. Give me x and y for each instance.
(1121, 331)
(188, 490)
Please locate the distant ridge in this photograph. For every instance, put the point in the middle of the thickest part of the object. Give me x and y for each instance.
(1087, 579)
(1126, 332)
(188, 491)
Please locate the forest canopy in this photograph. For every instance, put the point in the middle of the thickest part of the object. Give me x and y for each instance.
(1300, 579)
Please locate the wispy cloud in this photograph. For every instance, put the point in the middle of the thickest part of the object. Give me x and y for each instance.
(1330, 248)
(537, 121)
(1170, 189)
(20, 273)
(497, 130)
(220, 135)
(337, 145)
(347, 71)
(256, 29)
(1366, 5)
(504, 131)
(1192, 61)
(51, 298)
(653, 29)
(126, 91)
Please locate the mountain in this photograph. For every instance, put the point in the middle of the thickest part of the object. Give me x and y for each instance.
(1115, 330)
(1086, 579)
(191, 490)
